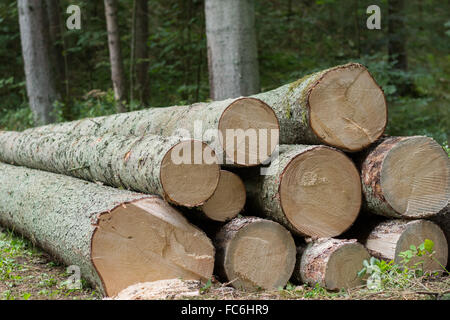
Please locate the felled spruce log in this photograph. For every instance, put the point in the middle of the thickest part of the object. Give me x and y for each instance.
(331, 263)
(394, 236)
(406, 177)
(183, 172)
(116, 237)
(254, 253)
(311, 190)
(220, 124)
(228, 199)
(342, 107)
(443, 221)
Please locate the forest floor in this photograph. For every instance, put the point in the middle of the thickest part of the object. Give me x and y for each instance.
(28, 273)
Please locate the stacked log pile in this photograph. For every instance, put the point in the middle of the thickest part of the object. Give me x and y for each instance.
(121, 196)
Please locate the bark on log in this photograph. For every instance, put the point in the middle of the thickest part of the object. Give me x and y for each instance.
(116, 237)
(333, 264)
(342, 107)
(245, 117)
(311, 190)
(254, 253)
(147, 164)
(391, 237)
(406, 177)
(443, 221)
(228, 199)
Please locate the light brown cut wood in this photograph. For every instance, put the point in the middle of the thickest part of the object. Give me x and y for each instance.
(191, 182)
(392, 237)
(255, 253)
(342, 107)
(312, 190)
(249, 132)
(331, 263)
(406, 177)
(228, 199)
(145, 241)
(347, 108)
(115, 237)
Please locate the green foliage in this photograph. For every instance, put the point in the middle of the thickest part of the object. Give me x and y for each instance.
(295, 38)
(380, 274)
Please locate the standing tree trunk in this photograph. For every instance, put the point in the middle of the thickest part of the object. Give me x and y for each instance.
(141, 50)
(115, 55)
(232, 48)
(40, 80)
(116, 237)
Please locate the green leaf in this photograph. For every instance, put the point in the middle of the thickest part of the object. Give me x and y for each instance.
(429, 245)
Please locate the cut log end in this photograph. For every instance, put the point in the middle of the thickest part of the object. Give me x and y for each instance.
(415, 233)
(332, 263)
(320, 192)
(389, 238)
(190, 173)
(228, 199)
(344, 265)
(347, 108)
(261, 254)
(415, 177)
(141, 241)
(249, 132)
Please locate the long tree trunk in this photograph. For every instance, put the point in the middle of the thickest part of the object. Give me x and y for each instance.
(211, 122)
(255, 253)
(117, 238)
(40, 80)
(342, 107)
(141, 51)
(332, 263)
(311, 190)
(232, 48)
(406, 177)
(184, 172)
(115, 55)
(389, 238)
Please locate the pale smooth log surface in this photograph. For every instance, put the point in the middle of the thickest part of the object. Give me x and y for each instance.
(406, 177)
(116, 237)
(255, 253)
(342, 107)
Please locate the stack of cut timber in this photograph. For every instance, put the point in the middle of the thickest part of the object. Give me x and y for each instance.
(298, 162)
